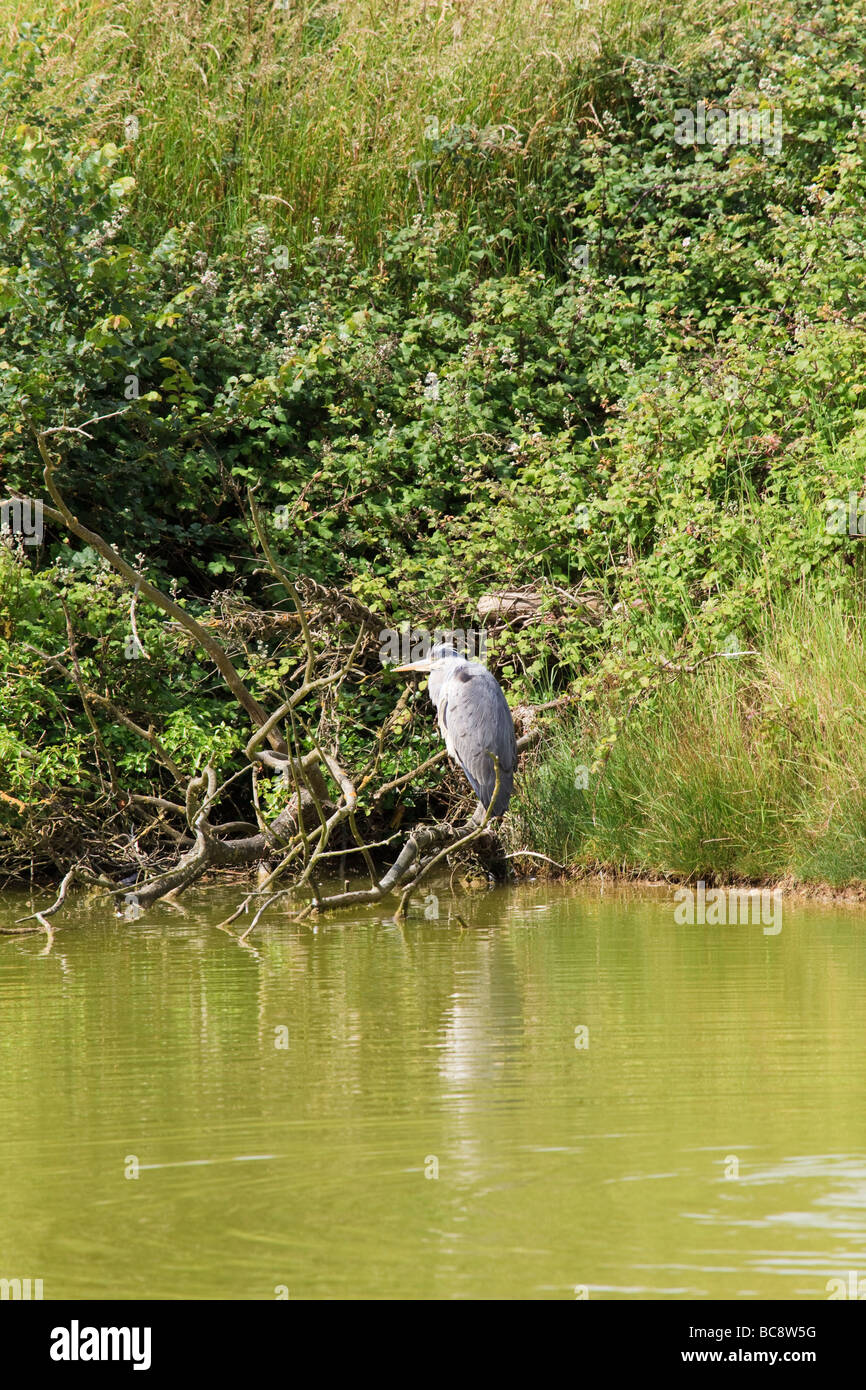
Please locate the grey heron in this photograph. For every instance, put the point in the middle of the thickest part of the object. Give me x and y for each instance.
(474, 720)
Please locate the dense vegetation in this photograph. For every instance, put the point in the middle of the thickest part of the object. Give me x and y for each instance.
(449, 290)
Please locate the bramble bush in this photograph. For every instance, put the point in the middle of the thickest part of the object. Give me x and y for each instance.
(640, 388)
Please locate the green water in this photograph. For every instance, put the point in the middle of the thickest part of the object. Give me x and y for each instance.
(264, 1168)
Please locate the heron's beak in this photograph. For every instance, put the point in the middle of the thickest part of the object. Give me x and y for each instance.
(425, 664)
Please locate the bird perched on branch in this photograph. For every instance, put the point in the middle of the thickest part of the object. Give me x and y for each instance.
(475, 722)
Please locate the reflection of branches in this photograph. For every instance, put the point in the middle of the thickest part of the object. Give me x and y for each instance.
(78, 873)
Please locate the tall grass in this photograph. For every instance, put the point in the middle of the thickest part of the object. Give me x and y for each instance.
(747, 768)
(287, 111)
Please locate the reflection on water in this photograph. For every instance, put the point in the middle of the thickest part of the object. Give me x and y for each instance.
(576, 1091)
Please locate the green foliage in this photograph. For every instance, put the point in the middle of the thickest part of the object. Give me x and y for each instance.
(745, 768)
(620, 368)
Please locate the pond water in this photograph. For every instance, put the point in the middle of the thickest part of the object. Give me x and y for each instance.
(574, 1095)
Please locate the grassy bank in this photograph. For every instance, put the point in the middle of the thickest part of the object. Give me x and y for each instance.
(353, 117)
(746, 768)
(449, 290)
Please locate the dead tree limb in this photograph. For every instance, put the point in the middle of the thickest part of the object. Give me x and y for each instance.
(324, 800)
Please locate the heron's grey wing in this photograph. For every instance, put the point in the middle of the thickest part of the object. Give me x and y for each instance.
(476, 721)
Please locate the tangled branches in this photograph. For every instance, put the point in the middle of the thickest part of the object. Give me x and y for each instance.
(321, 820)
